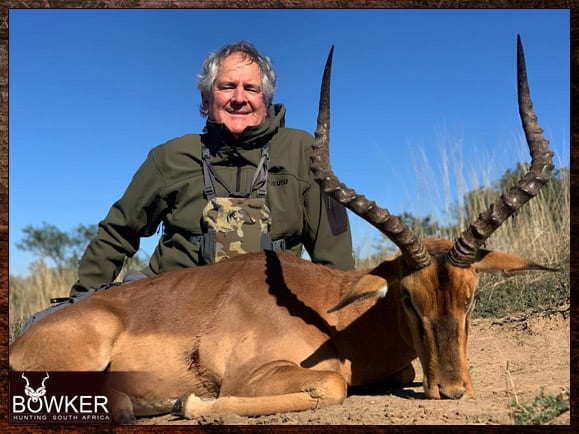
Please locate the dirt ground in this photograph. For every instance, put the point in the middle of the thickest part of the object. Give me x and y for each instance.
(510, 358)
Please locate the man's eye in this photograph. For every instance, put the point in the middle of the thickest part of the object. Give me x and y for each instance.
(222, 86)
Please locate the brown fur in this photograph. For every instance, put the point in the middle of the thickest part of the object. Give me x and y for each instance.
(252, 335)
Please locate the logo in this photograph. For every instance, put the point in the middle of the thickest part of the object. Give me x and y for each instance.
(35, 395)
(278, 182)
(58, 398)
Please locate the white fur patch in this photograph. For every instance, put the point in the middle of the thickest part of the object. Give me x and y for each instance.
(195, 406)
(381, 293)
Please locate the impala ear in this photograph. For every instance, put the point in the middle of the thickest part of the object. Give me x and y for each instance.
(369, 285)
(505, 264)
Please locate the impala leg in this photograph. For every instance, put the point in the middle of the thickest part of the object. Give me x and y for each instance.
(121, 408)
(404, 377)
(278, 387)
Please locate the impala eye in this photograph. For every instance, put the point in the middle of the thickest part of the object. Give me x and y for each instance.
(407, 301)
(410, 307)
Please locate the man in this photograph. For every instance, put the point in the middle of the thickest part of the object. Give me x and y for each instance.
(209, 190)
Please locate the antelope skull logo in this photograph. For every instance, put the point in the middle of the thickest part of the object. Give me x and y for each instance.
(33, 394)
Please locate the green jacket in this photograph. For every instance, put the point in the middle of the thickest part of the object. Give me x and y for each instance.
(168, 189)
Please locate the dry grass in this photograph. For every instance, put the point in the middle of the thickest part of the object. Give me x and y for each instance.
(540, 231)
(32, 293)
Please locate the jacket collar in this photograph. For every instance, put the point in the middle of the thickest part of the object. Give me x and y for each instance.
(217, 137)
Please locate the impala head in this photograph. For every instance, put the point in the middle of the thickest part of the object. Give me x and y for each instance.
(435, 281)
(437, 301)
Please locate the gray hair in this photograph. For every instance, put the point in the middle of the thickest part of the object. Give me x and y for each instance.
(211, 65)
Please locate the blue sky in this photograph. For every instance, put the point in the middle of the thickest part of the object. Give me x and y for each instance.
(92, 91)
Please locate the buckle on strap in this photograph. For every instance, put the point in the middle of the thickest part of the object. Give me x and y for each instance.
(196, 240)
(279, 244)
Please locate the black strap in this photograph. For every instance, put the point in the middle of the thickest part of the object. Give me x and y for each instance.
(259, 180)
(281, 244)
(210, 176)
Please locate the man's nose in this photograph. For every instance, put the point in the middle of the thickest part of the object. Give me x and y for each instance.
(239, 94)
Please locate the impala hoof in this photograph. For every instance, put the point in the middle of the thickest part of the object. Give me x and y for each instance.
(177, 409)
(125, 419)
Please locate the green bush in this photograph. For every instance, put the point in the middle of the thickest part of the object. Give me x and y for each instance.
(543, 410)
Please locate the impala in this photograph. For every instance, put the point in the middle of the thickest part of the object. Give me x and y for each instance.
(267, 332)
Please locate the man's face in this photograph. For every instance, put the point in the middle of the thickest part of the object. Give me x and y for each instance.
(236, 98)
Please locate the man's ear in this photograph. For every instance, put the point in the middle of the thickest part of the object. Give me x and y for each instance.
(205, 103)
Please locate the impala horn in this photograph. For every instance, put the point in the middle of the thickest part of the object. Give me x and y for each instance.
(411, 247)
(465, 248)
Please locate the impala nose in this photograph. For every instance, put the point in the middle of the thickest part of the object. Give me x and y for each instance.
(452, 392)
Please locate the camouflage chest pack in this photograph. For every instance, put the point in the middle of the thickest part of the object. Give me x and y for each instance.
(238, 223)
